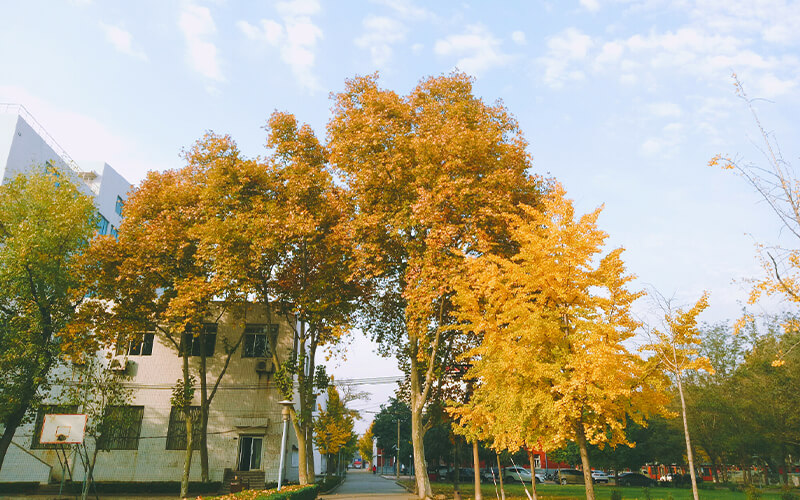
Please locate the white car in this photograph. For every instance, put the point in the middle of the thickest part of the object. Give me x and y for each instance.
(599, 476)
(521, 474)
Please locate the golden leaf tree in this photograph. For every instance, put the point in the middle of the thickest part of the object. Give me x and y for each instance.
(333, 428)
(429, 175)
(365, 445)
(277, 235)
(552, 366)
(676, 347)
(163, 275)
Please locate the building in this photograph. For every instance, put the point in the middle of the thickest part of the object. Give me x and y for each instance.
(25, 144)
(245, 422)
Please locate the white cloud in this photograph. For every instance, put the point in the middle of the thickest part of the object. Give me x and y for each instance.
(478, 49)
(664, 109)
(379, 35)
(197, 25)
(590, 5)
(568, 47)
(519, 37)
(406, 9)
(295, 36)
(417, 48)
(122, 41)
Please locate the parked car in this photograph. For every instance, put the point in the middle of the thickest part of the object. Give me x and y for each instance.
(569, 476)
(490, 475)
(634, 479)
(599, 476)
(520, 474)
(465, 475)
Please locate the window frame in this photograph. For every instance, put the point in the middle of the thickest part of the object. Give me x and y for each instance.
(176, 428)
(209, 335)
(126, 440)
(252, 331)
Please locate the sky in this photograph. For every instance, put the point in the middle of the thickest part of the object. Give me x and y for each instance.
(624, 102)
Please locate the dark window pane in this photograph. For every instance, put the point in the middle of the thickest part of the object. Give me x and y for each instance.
(147, 344)
(120, 428)
(176, 433)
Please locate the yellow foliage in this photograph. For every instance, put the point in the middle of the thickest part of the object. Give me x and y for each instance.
(552, 366)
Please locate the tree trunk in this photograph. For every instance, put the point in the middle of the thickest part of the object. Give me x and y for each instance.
(695, 493)
(187, 462)
(311, 474)
(580, 437)
(204, 406)
(418, 433)
(476, 467)
(457, 468)
(302, 449)
(534, 495)
(786, 465)
(12, 422)
(500, 475)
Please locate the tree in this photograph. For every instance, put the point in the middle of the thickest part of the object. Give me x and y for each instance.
(365, 444)
(779, 185)
(277, 236)
(162, 274)
(676, 348)
(333, 428)
(102, 395)
(392, 426)
(45, 224)
(552, 367)
(428, 175)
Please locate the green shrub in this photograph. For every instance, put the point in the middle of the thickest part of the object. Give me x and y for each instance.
(616, 495)
(646, 493)
(752, 492)
(788, 494)
(23, 487)
(126, 487)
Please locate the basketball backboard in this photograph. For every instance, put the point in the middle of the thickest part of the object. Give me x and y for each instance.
(63, 429)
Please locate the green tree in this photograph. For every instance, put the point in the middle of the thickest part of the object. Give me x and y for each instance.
(102, 395)
(45, 224)
(396, 415)
(429, 175)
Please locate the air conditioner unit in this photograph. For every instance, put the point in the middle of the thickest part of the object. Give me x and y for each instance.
(118, 364)
(263, 366)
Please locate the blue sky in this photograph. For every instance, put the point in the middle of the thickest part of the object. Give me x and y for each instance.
(624, 102)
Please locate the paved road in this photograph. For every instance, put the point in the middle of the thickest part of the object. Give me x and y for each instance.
(363, 485)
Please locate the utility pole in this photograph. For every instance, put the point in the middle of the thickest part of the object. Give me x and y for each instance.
(397, 455)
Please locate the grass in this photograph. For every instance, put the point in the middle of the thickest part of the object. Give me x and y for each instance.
(601, 491)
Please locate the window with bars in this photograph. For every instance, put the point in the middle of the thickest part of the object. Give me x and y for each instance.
(256, 342)
(37, 429)
(176, 433)
(138, 345)
(193, 343)
(120, 428)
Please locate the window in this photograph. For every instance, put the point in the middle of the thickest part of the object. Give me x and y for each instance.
(256, 344)
(193, 343)
(37, 429)
(119, 205)
(250, 453)
(102, 225)
(120, 428)
(176, 433)
(139, 345)
(114, 232)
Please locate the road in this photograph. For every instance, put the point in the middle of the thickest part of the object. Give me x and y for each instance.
(363, 485)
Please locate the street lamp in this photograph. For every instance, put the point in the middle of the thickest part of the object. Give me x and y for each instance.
(286, 404)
